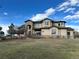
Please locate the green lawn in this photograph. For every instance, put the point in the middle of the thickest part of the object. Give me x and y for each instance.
(40, 49)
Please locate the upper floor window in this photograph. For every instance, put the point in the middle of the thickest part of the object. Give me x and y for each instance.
(29, 26)
(58, 24)
(46, 22)
(61, 24)
(37, 25)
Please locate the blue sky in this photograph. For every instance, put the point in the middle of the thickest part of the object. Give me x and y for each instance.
(17, 11)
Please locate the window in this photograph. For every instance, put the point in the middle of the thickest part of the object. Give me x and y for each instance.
(58, 24)
(68, 33)
(46, 22)
(53, 31)
(62, 24)
(29, 26)
(37, 25)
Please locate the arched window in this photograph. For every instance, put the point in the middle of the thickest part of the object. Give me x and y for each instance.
(29, 26)
(58, 24)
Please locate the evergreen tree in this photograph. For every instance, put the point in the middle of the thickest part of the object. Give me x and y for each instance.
(1, 33)
(11, 30)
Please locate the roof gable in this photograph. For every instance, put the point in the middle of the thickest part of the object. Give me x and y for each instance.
(44, 20)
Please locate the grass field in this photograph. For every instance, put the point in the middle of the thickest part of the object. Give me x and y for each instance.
(40, 49)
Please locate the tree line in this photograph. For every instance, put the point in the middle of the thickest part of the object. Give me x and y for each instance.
(12, 31)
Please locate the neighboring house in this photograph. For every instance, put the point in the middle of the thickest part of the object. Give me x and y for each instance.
(48, 28)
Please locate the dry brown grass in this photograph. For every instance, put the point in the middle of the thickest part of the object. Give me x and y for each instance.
(40, 49)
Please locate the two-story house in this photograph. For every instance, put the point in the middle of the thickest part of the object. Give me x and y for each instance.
(48, 28)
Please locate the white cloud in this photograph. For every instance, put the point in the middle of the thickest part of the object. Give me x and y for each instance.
(5, 13)
(69, 10)
(4, 28)
(74, 2)
(76, 27)
(77, 21)
(67, 17)
(75, 16)
(67, 4)
(49, 11)
(71, 17)
(77, 13)
(41, 16)
(78, 5)
(63, 6)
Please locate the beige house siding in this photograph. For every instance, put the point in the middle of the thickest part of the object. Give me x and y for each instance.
(63, 33)
(50, 32)
(26, 26)
(45, 32)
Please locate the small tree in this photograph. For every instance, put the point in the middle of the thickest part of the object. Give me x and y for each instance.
(1, 33)
(0, 28)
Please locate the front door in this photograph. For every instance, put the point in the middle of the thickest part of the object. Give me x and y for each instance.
(68, 34)
(29, 33)
(29, 30)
